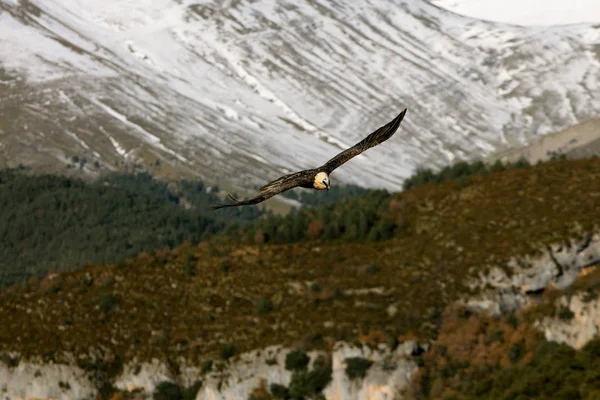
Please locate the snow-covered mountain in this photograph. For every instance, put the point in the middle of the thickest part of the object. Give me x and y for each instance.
(240, 91)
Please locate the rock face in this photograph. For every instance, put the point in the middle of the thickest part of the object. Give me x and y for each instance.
(501, 290)
(30, 380)
(557, 266)
(385, 378)
(389, 373)
(578, 329)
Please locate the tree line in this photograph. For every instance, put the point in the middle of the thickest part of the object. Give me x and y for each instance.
(61, 223)
(53, 222)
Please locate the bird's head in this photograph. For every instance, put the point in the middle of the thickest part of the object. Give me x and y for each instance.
(321, 181)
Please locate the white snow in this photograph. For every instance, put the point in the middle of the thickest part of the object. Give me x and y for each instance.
(22, 48)
(123, 119)
(78, 139)
(291, 83)
(147, 136)
(527, 12)
(118, 148)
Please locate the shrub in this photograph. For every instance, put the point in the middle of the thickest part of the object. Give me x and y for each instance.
(515, 352)
(497, 335)
(191, 392)
(11, 362)
(304, 384)
(512, 320)
(64, 385)
(225, 265)
(296, 360)
(357, 367)
(190, 265)
(310, 383)
(373, 269)
(279, 391)
(264, 305)
(565, 314)
(227, 351)
(171, 391)
(107, 302)
(522, 163)
(497, 166)
(464, 181)
(207, 366)
(167, 391)
(382, 230)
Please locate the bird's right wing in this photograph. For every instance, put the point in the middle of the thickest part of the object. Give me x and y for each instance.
(279, 185)
(379, 136)
(293, 179)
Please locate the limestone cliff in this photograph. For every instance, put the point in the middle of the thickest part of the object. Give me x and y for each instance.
(388, 373)
(524, 278)
(520, 284)
(577, 324)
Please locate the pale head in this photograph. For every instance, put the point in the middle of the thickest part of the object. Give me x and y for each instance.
(321, 181)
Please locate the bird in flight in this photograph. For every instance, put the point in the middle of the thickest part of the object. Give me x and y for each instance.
(318, 178)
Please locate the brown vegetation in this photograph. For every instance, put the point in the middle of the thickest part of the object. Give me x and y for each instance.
(193, 300)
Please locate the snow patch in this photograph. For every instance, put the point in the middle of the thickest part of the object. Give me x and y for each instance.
(77, 139)
(119, 149)
(154, 140)
(527, 12)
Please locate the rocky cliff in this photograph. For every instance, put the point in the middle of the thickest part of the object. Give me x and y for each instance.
(387, 372)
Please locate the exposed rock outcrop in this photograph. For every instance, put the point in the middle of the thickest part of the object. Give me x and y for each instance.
(29, 380)
(516, 285)
(388, 374)
(579, 326)
(508, 289)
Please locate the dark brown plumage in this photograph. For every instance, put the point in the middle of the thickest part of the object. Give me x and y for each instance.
(318, 178)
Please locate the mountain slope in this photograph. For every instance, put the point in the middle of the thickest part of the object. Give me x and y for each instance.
(210, 302)
(240, 92)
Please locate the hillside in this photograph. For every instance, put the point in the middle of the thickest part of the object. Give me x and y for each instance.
(50, 222)
(241, 92)
(57, 223)
(217, 299)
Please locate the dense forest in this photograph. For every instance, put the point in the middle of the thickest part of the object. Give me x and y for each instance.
(52, 222)
(56, 222)
(352, 218)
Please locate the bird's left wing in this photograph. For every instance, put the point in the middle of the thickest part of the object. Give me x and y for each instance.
(280, 185)
(379, 136)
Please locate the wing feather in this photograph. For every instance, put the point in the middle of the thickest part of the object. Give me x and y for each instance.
(280, 185)
(285, 178)
(379, 136)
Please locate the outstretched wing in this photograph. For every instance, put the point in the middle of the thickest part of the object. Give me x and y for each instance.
(298, 178)
(279, 185)
(379, 136)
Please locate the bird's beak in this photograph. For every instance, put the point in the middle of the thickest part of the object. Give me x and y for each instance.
(328, 187)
